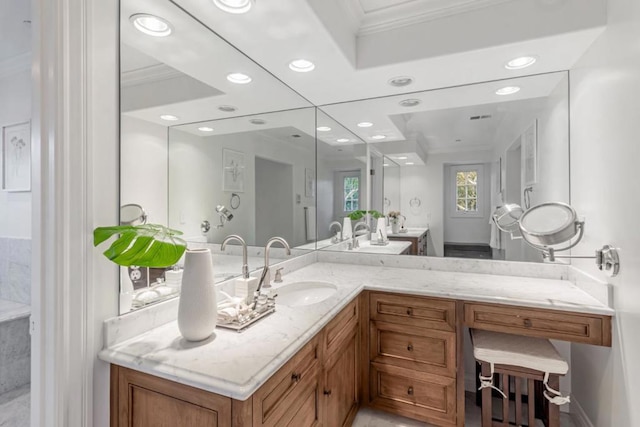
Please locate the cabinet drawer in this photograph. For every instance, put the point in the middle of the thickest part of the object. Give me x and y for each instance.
(427, 397)
(340, 328)
(277, 395)
(423, 312)
(414, 348)
(582, 328)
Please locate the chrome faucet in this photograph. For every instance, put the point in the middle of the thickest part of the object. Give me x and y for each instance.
(266, 282)
(245, 265)
(339, 230)
(354, 241)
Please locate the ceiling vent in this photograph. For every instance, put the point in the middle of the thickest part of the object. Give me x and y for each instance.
(486, 116)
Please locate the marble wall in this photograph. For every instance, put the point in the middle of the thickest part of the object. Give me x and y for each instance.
(15, 270)
(15, 354)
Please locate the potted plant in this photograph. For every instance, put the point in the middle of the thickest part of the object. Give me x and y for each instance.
(394, 219)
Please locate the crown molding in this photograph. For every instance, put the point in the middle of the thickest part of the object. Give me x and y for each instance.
(462, 149)
(15, 64)
(150, 74)
(417, 12)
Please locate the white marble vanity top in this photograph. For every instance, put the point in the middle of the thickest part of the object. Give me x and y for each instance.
(237, 364)
(411, 232)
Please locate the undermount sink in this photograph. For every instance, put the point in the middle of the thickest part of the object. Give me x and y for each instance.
(304, 293)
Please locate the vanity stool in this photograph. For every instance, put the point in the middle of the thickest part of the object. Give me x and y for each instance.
(526, 359)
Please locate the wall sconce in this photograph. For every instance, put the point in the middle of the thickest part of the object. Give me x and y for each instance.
(549, 224)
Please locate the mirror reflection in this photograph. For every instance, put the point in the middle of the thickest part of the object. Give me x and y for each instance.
(453, 156)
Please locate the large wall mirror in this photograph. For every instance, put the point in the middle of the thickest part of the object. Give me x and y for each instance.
(201, 150)
(451, 156)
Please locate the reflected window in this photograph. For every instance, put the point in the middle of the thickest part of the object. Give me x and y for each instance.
(467, 190)
(351, 193)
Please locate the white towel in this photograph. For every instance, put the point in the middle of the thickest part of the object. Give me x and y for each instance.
(310, 222)
(494, 241)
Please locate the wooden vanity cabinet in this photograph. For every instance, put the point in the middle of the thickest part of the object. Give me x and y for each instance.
(318, 386)
(414, 358)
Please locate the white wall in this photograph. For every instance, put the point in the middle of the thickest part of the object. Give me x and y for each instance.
(195, 182)
(604, 156)
(391, 188)
(15, 107)
(144, 167)
(274, 193)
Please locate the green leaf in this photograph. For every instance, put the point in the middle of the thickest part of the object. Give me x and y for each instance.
(149, 245)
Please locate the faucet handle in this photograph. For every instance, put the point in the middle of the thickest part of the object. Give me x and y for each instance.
(278, 278)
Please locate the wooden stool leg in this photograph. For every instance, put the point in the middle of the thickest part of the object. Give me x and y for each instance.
(486, 398)
(505, 402)
(518, 401)
(531, 406)
(554, 410)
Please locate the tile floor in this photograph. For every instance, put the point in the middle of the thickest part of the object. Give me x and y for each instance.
(14, 407)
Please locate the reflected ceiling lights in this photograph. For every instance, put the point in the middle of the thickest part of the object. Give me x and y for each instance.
(151, 25)
(234, 6)
(400, 81)
(257, 121)
(343, 140)
(227, 108)
(519, 63)
(169, 117)
(365, 124)
(239, 78)
(409, 102)
(378, 137)
(323, 128)
(385, 164)
(401, 158)
(205, 129)
(509, 90)
(409, 163)
(302, 65)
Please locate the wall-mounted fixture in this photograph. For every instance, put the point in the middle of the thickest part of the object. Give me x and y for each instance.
(224, 214)
(550, 224)
(527, 197)
(132, 214)
(234, 201)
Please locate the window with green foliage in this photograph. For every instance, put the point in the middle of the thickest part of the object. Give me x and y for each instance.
(467, 191)
(351, 192)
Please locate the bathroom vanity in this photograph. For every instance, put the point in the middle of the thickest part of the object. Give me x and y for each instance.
(417, 237)
(389, 338)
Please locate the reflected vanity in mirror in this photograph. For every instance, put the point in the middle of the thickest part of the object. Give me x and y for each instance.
(199, 150)
(452, 156)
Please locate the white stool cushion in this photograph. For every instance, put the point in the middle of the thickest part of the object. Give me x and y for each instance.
(516, 350)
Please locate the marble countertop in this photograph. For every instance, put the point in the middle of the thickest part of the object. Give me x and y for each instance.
(411, 232)
(237, 364)
(11, 310)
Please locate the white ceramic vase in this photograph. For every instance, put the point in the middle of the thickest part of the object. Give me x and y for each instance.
(197, 310)
(395, 226)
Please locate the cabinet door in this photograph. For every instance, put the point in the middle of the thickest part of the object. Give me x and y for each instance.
(341, 383)
(143, 400)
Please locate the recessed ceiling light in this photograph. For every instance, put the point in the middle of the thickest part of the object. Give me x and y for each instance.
(234, 6)
(401, 158)
(378, 137)
(385, 164)
(409, 163)
(239, 78)
(169, 117)
(400, 81)
(509, 90)
(323, 128)
(227, 108)
(151, 25)
(257, 121)
(365, 124)
(409, 102)
(342, 139)
(205, 129)
(302, 65)
(521, 62)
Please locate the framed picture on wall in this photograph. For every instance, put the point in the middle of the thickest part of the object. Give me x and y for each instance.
(530, 154)
(16, 157)
(232, 171)
(309, 183)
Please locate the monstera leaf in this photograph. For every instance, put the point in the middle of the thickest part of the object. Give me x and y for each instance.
(148, 245)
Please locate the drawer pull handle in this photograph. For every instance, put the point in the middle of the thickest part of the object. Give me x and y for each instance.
(410, 311)
(410, 391)
(327, 392)
(295, 377)
(410, 347)
(528, 323)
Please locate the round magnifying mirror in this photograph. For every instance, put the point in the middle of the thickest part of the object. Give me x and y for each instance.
(506, 217)
(132, 214)
(549, 224)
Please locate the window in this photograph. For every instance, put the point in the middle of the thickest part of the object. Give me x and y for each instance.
(351, 193)
(466, 190)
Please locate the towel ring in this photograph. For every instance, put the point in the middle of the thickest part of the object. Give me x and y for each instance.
(234, 202)
(387, 202)
(415, 202)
